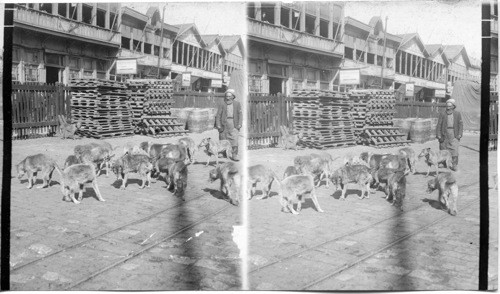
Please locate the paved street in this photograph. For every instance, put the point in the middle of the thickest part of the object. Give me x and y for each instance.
(136, 240)
(369, 244)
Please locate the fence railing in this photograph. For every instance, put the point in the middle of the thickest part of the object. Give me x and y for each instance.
(266, 113)
(406, 109)
(493, 130)
(197, 100)
(35, 109)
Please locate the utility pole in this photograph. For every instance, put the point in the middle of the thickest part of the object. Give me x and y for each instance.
(383, 56)
(161, 41)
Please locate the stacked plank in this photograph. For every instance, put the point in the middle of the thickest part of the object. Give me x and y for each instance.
(323, 118)
(373, 111)
(151, 101)
(102, 108)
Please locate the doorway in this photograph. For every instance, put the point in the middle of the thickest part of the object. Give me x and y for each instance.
(52, 75)
(275, 85)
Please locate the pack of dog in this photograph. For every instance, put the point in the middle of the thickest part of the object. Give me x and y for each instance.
(73, 180)
(213, 148)
(133, 163)
(358, 174)
(434, 158)
(447, 186)
(259, 173)
(230, 180)
(316, 165)
(34, 164)
(98, 155)
(293, 189)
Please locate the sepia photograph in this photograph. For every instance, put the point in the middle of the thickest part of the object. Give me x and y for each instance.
(249, 145)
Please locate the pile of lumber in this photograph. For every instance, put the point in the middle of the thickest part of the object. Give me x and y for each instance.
(102, 108)
(323, 118)
(372, 112)
(151, 100)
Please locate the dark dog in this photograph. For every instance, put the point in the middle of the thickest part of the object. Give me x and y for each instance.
(33, 164)
(177, 175)
(93, 154)
(293, 189)
(229, 174)
(66, 129)
(359, 174)
(162, 165)
(153, 150)
(290, 171)
(74, 178)
(135, 163)
(213, 148)
(447, 186)
(71, 160)
(411, 157)
(373, 160)
(314, 165)
(178, 152)
(260, 173)
(435, 158)
(190, 147)
(396, 188)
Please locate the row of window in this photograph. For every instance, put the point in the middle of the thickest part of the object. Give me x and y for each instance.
(366, 57)
(290, 18)
(145, 48)
(416, 66)
(296, 72)
(192, 56)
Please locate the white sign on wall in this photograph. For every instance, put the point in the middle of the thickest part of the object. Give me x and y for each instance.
(440, 93)
(349, 77)
(216, 83)
(186, 79)
(410, 90)
(126, 67)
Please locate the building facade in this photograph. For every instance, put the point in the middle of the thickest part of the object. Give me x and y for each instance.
(294, 45)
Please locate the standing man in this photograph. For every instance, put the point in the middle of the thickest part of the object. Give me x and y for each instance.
(228, 120)
(449, 131)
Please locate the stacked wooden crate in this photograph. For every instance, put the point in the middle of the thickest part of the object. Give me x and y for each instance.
(323, 118)
(102, 108)
(151, 100)
(373, 111)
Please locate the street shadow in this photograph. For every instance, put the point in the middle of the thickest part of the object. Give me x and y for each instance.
(348, 193)
(434, 203)
(217, 194)
(118, 183)
(40, 182)
(212, 163)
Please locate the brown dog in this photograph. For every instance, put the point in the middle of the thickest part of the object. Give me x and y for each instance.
(190, 147)
(373, 160)
(447, 186)
(178, 175)
(213, 148)
(290, 171)
(162, 165)
(411, 157)
(314, 165)
(33, 164)
(93, 154)
(396, 188)
(229, 174)
(74, 178)
(135, 163)
(435, 158)
(260, 173)
(359, 174)
(178, 152)
(293, 189)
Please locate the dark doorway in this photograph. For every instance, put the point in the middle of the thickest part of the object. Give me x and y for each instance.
(275, 85)
(52, 75)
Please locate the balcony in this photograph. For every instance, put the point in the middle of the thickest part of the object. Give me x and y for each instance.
(290, 37)
(369, 69)
(145, 59)
(42, 21)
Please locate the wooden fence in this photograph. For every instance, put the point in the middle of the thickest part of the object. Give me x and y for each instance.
(35, 109)
(405, 109)
(493, 131)
(197, 100)
(266, 113)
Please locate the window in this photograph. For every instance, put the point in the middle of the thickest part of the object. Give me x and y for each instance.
(379, 60)
(295, 20)
(46, 7)
(278, 70)
(32, 57)
(336, 32)
(310, 21)
(61, 9)
(72, 11)
(325, 75)
(15, 54)
(101, 18)
(147, 48)
(251, 10)
(254, 67)
(297, 73)
(388, 62)
(87, 64)
(74, 63)
(348, 52)
(156, 51)
(125, 43)
(323, 28)
(267, 12)
(53, 59)
(87, 14)
(31, 73)
(15, 72)
(311, 75)
(360, 55)
(370, 58)
(101, 65)
(285, 17)
(137, 46)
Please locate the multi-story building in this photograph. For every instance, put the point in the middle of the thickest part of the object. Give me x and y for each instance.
(494, 46)
(294, 45)
(460, 67)
(370, 49)
(234, 52)
(54, 42)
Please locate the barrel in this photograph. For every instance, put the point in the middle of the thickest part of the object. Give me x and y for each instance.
(420, 130)
(181, 114)
(404, 125)
(198, 120)
(211, 118)
(434, 122)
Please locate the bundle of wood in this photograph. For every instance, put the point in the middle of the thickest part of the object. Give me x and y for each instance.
(101, 107)
(323, 118)
(151, 100)
(372, 112)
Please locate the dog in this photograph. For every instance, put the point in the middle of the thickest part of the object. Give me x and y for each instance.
(213, 148)
(153, 150)
(353, 160)
(95, 154)
(435, 158)
(33, 164)
(359, 174)
(177, 175)
(394, 162)
(314, 165)
(190, 147)
(227, 173)
(178, 152)
(73, 179)
(293, 190)
(372, 160)
(71, 160)
(260, 173)
(290, 171)
(136, 163)
(411, 157)
(447, 186)
(106, 146)
(287, 140)
(381, 176)
(396, 188)
(66, 129)
(162, 165)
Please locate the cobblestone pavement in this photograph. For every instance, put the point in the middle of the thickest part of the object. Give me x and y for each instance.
(369, 244)
(136, 240)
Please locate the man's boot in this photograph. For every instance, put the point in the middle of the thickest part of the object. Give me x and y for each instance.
(235, 154)
(454, 159)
